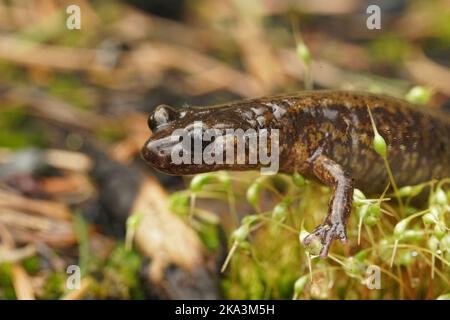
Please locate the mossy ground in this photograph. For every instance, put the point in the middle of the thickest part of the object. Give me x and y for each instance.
(269, 258)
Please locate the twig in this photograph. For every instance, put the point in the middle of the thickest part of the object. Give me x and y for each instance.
(46, 208)
(22, 283)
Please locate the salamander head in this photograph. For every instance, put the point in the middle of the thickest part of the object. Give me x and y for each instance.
(194, 140)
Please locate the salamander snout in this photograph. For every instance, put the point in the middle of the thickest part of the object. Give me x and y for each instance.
(158, 152)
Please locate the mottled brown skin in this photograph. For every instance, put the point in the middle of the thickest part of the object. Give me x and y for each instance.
(326, 136)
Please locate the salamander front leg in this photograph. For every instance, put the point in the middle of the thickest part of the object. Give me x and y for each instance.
(334, 226)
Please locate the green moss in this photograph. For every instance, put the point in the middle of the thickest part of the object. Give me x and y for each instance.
(16, 129)
(179, 203)
(210, 236)
(110, 133)
(6, 287)
(10, 72)
(121, 275)
(108, 10)
(389, 49)
(54, 286)
(32, 264)
(12, 116)
(71, 89)
(441, 26)
(272, 257)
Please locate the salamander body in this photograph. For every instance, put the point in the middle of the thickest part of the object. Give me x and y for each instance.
(324, 135)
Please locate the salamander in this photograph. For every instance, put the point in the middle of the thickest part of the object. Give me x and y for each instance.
(324, 135)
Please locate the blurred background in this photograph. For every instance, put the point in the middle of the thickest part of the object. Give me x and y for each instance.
(73, 117)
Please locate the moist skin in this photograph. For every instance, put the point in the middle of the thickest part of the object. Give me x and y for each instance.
(326, 136)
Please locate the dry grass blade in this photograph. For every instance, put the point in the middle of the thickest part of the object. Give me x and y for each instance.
(28, 53)
(22, 283)
(9, 255)
(69, 188)
(203, 70)
(41, 105)
(137, 130)
(424, 70)
(10, 200)
(25, 228)
(68, 160)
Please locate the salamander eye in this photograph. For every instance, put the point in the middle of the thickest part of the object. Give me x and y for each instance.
(162, 115)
